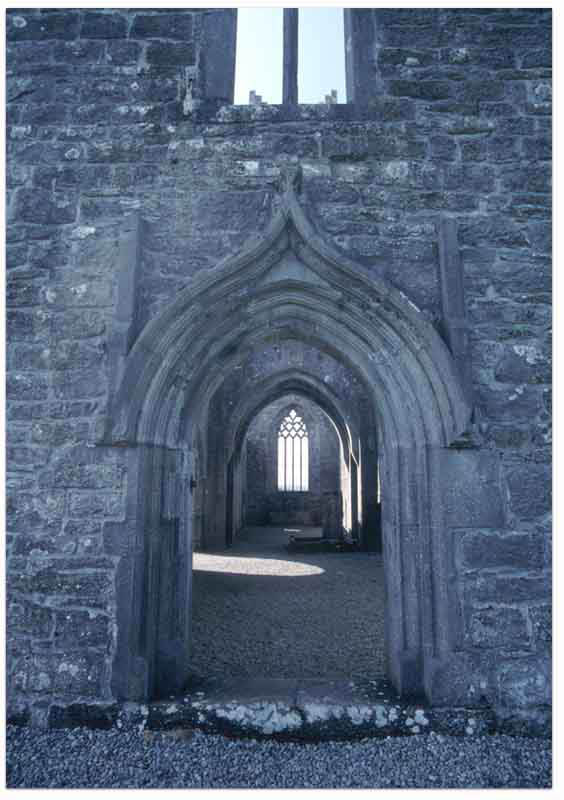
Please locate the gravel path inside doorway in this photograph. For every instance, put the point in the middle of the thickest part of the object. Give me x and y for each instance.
(261, 611)
(83, 758)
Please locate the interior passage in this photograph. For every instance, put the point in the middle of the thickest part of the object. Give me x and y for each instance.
(260, 610)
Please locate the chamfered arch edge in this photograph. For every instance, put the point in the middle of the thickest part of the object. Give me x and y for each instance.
(395, 328)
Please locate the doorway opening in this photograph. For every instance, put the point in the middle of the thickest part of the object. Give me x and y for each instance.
(290, 595)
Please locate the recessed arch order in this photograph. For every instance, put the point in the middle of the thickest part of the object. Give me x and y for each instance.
(286, 284)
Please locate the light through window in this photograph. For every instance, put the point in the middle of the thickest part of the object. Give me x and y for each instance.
(293, 454)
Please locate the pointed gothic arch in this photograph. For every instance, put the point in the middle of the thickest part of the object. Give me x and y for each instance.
(286, 283)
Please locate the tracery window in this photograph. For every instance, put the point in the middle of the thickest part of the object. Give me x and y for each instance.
(293, 454)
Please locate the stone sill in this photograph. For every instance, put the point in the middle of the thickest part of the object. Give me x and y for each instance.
(339, 112)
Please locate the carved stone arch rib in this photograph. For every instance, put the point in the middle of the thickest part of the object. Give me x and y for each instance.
(290, 284)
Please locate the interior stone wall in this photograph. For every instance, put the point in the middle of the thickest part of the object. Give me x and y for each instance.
(118, 112)
(263, 496)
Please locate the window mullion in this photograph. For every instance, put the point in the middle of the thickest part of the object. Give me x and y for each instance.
(290, 67)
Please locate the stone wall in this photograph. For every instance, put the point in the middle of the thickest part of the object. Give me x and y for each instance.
(263, 497)
(108, 116)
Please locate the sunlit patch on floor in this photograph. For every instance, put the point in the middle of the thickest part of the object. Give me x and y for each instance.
(207, 562)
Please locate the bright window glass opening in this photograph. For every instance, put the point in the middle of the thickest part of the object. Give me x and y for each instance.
(321, 56)
(259, 57)
(293, 454)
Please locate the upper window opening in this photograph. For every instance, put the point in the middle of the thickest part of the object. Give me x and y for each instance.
(293, 454)
(273, 52)
(259, 56)
(321, 56)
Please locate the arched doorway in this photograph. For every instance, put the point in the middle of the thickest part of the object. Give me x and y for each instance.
(287, 596)
(288, 286)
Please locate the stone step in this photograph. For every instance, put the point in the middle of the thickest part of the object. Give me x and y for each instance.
(310, 710)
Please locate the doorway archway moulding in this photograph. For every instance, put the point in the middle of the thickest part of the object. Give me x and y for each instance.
(288, 283)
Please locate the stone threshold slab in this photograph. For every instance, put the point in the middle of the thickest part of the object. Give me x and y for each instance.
(297, 710)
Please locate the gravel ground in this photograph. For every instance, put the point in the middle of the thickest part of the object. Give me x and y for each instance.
(83, 758)
(261, 611)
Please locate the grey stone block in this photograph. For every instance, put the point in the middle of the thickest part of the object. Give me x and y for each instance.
(39, 206)
(69, 472)
(523, 364)
(541, 619)
(159, 53)
(83, 291)
(421, 90)
(96, 505)
(530, 490)
(79, 52)
(32, 25)
(99, 25)
(525, 683)
(79, 715)
(91, 589)
(79, 383)
(75, 630)
(170, 26)
(27, 386)
(29, 620)
(123, 52)
(498, 627)
(508, 588)
(487, 549)
(81, 324)
(68, 354)
(470, 489)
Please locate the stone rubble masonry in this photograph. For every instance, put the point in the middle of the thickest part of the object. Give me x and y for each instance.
(456, 121)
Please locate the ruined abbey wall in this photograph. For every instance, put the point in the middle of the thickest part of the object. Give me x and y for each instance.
(120, 122)
(264, 503)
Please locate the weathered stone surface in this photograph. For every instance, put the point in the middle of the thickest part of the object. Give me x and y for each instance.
(71, 473)
(100, 25)
(162, 26)
(114, 111)
(525, 683)
(75, 630)
(79, 52)
(38, 206)
(508, 588)
(22, 290)
(524, 364)
(79, 324)
(27, 386)
(498, 626)
(89, 589)
(95, 505)
(78, 715)
(516, 403)
(488, 549)
(541, 618)
(122, 52)
(78, 383)
(471, 493)
(63, 410)
(28, 25)
(170, 53)
(29, 620)
(69, 354)
(59, 433)
(530, 490)
(26, 457)
(88, 293)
